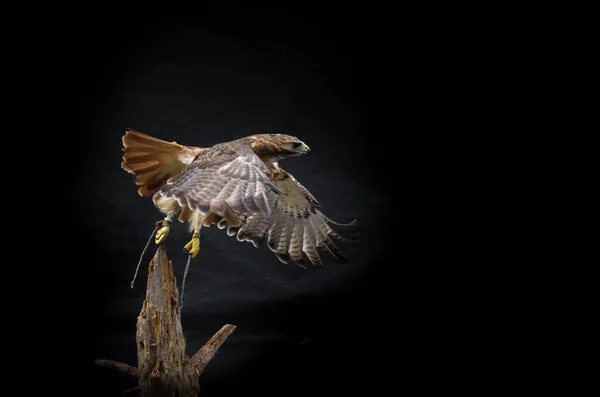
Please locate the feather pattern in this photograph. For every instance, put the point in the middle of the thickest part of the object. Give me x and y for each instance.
(154, 161)
(224, 175)
(296, 227)
(239, 186)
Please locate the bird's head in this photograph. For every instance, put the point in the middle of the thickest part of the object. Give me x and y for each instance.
(278, 146)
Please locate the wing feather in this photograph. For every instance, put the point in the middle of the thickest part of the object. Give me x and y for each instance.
(295, 228)
(309, 246)
(254, 230)
(228, 174)
(296, 241)
(324, 243)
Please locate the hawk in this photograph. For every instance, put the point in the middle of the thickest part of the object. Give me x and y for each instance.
(237, 185)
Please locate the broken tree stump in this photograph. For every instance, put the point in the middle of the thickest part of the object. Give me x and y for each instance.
(163, 367)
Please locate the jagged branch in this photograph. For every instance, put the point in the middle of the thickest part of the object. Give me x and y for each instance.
(163, 367)
(201, 359)
(117, 366)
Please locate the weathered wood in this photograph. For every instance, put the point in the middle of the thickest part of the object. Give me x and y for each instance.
(117, 366)
(163, 367)
(201, 359)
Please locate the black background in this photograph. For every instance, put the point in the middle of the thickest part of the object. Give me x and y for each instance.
(199, 81)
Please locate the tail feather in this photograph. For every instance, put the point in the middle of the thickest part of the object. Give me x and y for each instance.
(154, 161)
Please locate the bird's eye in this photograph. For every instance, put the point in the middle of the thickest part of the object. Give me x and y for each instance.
(296, 145)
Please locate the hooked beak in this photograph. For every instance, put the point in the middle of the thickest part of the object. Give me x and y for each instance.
(303, 148)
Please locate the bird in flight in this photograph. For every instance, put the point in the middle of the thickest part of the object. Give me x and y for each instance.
(237, 185)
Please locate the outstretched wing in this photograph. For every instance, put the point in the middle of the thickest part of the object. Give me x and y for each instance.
(227, 175)
(295, 228)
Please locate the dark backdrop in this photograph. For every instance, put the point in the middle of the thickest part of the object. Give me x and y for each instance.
(200, 82)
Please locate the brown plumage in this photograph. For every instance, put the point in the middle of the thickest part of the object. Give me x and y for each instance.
(154, 161)
(236, 185)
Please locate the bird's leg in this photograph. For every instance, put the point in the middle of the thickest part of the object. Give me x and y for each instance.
(193, 246)
(163, 232)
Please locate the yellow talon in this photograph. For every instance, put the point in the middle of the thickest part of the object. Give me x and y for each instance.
(161, 235)
(193, 247)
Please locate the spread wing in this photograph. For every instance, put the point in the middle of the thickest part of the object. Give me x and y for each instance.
(295, 228)
(225, 176)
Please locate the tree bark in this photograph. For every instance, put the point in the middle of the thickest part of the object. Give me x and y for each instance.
(164, 370)
(125, 368)
(201, 359)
